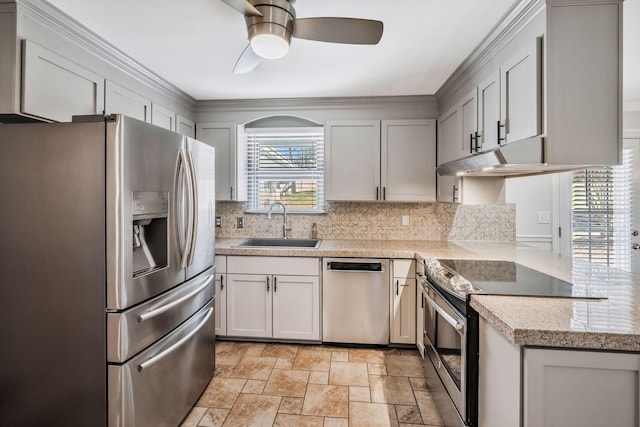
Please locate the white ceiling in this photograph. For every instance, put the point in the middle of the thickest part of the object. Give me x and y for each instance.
(194, 45)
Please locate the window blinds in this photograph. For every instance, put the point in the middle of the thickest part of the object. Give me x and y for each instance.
(601, 214)
(286, 165)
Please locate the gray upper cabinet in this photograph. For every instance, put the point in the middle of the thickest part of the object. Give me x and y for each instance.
(185, 126)
(120, 100)
(520, 94)
(163, 117)
(450, 141)
(223, 137)
(469, 121)
(489, 111)
(352, 165)
(55, 88)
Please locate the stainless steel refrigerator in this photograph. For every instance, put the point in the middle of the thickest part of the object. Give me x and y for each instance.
(106, 273)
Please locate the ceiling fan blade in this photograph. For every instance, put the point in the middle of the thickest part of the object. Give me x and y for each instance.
(339, 30)
(247, 62)
(243, 6)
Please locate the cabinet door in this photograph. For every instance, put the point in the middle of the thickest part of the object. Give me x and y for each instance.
(352, 166)
(55, 88)
(469, 121)
(581, 388)
(221, 304)
(403, 311)
(296, 307)
(163, 117)
(520, 106)
(408, 160)
(185, 126)
(449, 138)
(449, 189)
(489, 112)
(249, 305)
(120, 100)
(222, 136)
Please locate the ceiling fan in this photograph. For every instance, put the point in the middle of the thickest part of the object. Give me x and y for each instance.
(272, 23)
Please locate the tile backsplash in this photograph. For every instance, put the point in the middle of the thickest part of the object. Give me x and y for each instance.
(360, 220)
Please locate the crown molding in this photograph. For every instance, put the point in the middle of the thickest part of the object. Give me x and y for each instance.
(241, 105)
(516, 18)
(57, 21)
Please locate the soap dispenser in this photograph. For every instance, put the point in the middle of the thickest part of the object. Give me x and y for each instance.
(314, 231)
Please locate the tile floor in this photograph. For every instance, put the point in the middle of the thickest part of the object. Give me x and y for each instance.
(259, 384)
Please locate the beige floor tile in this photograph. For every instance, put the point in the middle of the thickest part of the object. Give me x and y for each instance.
(408, 414)
(395, 390)
(336, 422)
(349, 373)
(284, 382)
(253, 410)
(340, 356)
(254, 386)
(372, 415)
(317, 377)
(428, 409)
(228, 353)
(326, 400)
(224, 371)
(377, 369)
(404, 366)
(214, 417)
(221, 393)
(359, 394)
(291, 405)
(283, 363)
(311, 360)
(288, 420)
(366, 355)
(280, 350)
(255, 350)
(419, 384)
(194, 417)
(254, 368)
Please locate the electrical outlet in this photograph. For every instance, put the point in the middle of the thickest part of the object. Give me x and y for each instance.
(544, 217)
(218, 221)
(240, 222)
(405, 219)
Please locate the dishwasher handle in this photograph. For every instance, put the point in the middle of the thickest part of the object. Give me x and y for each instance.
(354, 266)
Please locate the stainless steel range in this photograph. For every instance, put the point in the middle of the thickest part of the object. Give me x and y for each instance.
(451, 325)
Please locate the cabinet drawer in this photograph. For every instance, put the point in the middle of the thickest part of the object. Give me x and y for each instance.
(404, 268)
(292, 266)
(221, 264)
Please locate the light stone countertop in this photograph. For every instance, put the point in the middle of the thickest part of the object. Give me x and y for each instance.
(608, 324)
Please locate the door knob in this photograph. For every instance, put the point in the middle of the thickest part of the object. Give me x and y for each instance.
(635, 246)
(634, 233)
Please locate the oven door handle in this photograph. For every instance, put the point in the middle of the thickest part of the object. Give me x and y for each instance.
(446, 316)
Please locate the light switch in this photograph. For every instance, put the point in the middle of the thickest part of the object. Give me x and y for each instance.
(405, 219)
(544, 217)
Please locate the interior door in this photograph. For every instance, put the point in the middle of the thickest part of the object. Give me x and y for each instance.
(633, 144)
(202, 159)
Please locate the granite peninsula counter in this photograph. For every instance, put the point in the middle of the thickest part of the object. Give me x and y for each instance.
(609, 324)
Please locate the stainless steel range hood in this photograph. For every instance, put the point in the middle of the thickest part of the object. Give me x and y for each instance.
(523, 157)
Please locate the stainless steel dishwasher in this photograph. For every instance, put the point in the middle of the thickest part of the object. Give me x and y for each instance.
(355, 300)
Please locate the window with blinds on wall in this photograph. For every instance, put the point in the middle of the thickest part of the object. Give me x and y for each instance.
(601, 214)
(285, 165)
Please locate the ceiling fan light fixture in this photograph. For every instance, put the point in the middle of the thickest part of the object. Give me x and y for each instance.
(269, 46)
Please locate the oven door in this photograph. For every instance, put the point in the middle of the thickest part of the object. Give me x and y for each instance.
(445, 347)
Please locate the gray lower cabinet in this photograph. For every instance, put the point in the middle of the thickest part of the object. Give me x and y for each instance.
(221, 295)
(537, 387)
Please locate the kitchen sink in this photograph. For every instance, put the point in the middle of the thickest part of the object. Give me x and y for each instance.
(266, 242)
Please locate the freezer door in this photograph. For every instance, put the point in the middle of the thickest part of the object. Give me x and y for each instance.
(201, 158)
(131, 331)
(160, 385)
(143, 229)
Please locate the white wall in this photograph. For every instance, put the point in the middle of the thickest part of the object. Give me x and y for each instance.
(532, 195)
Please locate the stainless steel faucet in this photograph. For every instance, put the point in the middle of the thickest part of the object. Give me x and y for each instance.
(285, 226)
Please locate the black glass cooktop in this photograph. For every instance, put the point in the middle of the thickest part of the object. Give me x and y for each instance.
(504, 278)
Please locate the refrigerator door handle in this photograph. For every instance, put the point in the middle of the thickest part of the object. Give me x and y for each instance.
(153, 313)
(184, 173)
(194, 209)
(155, 359)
